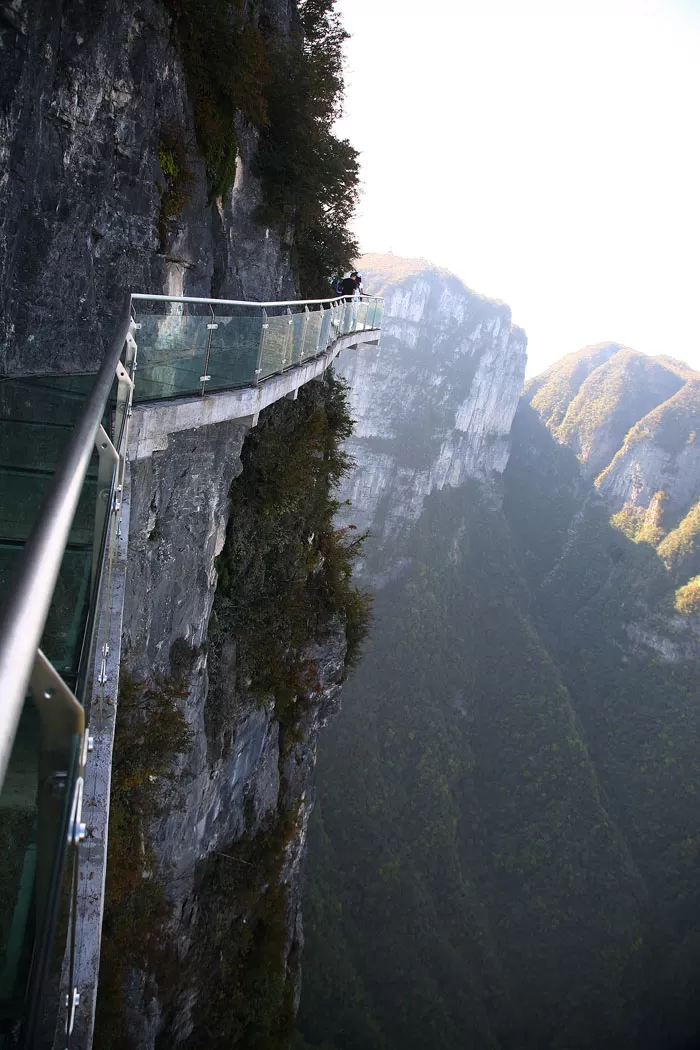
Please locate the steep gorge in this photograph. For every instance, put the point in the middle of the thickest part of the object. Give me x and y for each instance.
(505, 848)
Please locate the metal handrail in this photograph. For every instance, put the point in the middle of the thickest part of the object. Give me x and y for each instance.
(246, 302)
(24, 612)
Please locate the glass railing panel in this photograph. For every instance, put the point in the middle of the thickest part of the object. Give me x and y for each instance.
(35, 807)
(22, 493)
(312, 335)
(298, 330)
(377, 316)
(324, 337)
(276, 348)
(52, 399)
(38, 415)
(18, 846)
(361, 316)
(233, 354)
(337, 318)
(172, 353)
(349, 315)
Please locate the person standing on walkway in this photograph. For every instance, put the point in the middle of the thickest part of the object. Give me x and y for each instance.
(348, 287)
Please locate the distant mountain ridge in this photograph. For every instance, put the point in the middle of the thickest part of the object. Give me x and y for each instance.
(634, 423)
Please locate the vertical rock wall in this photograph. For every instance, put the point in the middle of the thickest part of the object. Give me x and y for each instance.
(89, 89)
(433, 404)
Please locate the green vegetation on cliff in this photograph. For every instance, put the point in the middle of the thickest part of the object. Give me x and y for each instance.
(151, 732)
(240, 65)
(284, 589)
(285, 573)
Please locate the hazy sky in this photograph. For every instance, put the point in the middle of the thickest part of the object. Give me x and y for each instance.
(546, 151)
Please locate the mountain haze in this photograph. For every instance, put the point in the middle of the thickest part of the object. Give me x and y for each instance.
(506, 846)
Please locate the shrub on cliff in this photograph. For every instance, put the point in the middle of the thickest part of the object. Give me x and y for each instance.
(150, 731)
(309, 176)
(285, 573)
(291, 90)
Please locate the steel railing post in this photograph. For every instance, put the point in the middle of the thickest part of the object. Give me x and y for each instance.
(303, 331)
(204, 379)
(288, 346)
(261, 347)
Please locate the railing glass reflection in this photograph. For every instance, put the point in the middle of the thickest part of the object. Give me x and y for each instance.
(196, 347)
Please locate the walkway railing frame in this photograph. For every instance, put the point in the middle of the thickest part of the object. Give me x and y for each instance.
(24, 612)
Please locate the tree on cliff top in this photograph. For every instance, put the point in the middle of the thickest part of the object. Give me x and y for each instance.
(291, 89)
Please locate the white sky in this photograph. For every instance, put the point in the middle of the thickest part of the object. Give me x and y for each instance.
(546, 151)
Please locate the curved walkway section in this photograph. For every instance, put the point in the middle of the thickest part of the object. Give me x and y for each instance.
(175, 364)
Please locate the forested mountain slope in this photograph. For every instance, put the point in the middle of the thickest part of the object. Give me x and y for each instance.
(506, 847)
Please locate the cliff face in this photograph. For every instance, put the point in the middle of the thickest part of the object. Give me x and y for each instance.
(504, 851)
(433, 403)
(245, 625)
(96, 123)
(90, 92)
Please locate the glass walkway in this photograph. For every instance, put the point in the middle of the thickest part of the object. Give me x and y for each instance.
(63, 442)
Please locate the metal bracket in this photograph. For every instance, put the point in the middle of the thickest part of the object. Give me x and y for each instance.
(62, 721)
(122, 375)
(72, 1003)
(77, 830)
(61, 714)
(130, 348)
(108, 462)
(125, 392)
(211, 327)
(102, 676)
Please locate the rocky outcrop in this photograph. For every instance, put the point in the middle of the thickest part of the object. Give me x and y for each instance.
(659, 453)
(433, 403)
(179, 514)
(243, 791)
(89, 93)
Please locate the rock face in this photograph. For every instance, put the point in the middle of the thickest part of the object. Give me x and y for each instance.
(178, 525)
(88, 95)
(91, 90)
(433, 404)
(243, 791)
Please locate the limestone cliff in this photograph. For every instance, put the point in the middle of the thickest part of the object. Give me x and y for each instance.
(104, 189)
(433, 404)
(90, 90)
